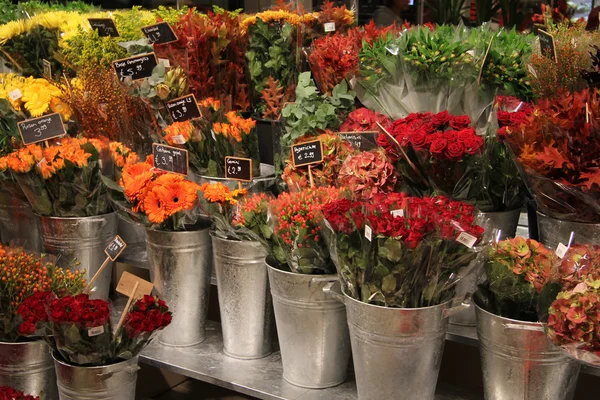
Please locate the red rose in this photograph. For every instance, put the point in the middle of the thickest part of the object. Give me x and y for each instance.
(517, 118)
(503, 118)
(441, 118)
(460, 122)
(418, 139)
(473, 145)
(438, 146)
(503, 132)
(428, 127)
(27, 328)
(455, 151)
(450, 136)
(465, 134)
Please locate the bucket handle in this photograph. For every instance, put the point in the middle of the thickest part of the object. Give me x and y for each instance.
(522, 327)
(455, 309)
(108, 375)
(334, 289)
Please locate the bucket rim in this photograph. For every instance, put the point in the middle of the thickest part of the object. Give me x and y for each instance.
(30, 342)
(90, 367)
(518, 321)
(149, 229)
(75, 218)
(445, 304)
(309, 276)
(566, 220)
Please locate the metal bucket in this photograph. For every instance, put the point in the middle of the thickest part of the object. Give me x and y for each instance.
(519, 362)
(133, 234)
(18, 224)
(498, 226)
(180, 267)
(244, 298)
(396, 350)
(312, 329)
(108, 382)
(553, 231)
(83, 239)
(28, 367)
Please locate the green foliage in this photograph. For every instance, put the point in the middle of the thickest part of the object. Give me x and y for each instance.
(8, 127)
(29, 49)
(10, 11)
(170, 14)
(87, 48)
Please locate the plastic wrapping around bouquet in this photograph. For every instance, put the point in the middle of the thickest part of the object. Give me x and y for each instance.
(18, 224)
(553, 231)
(28, 367)
(269, 135)
(81, 239)
(519, 362)
(312, 329)
(498, 226)
(258, 185)
(107, 382)
(180, 268)
(396, 350)
(244, 297)
(132, 233)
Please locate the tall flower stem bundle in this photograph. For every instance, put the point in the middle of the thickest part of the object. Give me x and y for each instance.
(399, 251)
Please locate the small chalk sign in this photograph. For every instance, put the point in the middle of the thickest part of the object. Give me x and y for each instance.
(307, 153)
(547, 44)
(239, 169)
(104, 26)
(115, 248)
(184, 108)
(47, 66)
(170, 159)
(363, 141)
(42, 128)
(136, 67)
(160, 33)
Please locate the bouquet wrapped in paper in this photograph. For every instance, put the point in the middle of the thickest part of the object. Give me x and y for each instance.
(399, 251)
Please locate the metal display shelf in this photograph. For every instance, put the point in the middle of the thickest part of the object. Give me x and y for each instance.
(262, 378)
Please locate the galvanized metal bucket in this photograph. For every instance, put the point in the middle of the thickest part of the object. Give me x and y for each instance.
(519, 362)
(244, 298)
(108, 382)
(553, 231)
(28, 367)
(180, 267)
(133, 234)
(83, 239)
(396, 350)
(18, 224)
(312, 329)
(498, 226)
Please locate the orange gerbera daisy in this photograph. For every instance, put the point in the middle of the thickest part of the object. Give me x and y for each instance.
(137, 188)
(131, 171)
(214, 192)
(154, 207)
(167, 178)
(178, 196)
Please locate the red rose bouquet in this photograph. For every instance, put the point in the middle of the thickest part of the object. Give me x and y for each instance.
(8, 393)
(400, 251)
(295, 218)
(557, 148)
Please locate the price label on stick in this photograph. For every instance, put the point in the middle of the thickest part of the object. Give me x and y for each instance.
(170, 159)
(160, 33)
(104, 26)
(307, 153)
(47, 69)
(547, 44)
(42, 128)
(115, 248)
(184, 108)
(363, 141)
(238, 168)
(136, 67)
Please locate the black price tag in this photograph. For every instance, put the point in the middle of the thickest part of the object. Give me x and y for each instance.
(47, 69)
(307, 153)
(160, 33)
(104, 26)
(547, 44)
(363, 141)
(137, 67)
(170, 159)
(42, 128)
(184, 108)
(115, 248)
(239, 169)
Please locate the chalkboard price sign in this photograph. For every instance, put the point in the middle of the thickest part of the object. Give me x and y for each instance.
(170, 159)
(136, 67)
(307, 153)
(160, 33)
(115, 248)
(42, 128)
(547, 45)
(184, 108)
(239, 169)
(104, 26)
(363, 141)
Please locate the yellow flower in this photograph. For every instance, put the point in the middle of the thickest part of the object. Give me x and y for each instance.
(57, 106)
(37, 96)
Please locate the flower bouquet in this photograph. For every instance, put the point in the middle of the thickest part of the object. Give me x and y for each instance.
(367, 174)
(329, 18)
(399, 251)
(295, 219)
(220, 203)
(7, 393)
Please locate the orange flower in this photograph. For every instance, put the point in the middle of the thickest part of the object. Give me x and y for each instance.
(178, 133)
(219, 193)
(167, 178)
(137, 188)
(210, 102)
(178, 196)
(131, 171)
(154, 207)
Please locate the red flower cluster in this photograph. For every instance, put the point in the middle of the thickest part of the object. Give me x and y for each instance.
(33, 310)
(80, 309)
(512, 112)
(8, 393)
(364, 120)
(581, 263)
(443, 135)
(147, 315)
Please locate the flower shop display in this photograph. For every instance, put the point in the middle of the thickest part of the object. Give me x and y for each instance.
(507, 315)
(329, 18)
(8, 393)
(367, 174)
